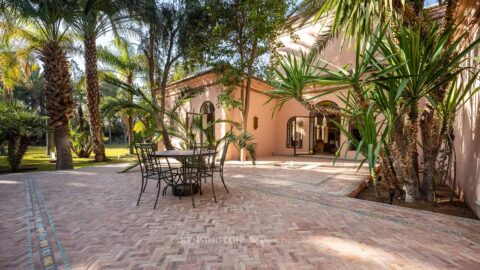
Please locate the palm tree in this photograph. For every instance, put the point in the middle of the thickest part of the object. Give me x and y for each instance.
(96, 18)
(44, 25)
(145, 109)
(10, 71)
(127, 65)
(19, 124)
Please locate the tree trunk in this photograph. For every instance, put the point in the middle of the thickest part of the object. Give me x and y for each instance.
(431, 140)
(130, 135)
(93, 98)
(248, 86)
(131, 139)
(401, 147)
(50, 141)
(64, 153)
(58, 99)
(17, 147)
(150, 53)
(163, 91)
(166, 137)
(412, 147)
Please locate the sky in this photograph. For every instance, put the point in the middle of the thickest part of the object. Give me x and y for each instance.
(430, 2)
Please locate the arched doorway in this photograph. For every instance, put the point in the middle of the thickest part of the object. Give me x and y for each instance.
(208, 111)
(324, 134)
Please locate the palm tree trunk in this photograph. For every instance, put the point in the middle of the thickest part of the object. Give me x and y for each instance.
(150, 53)
(17, 147)
(62, 142)
(130, 135)
(431, 132)
(93, 98)
(402, 147)
(59, 103)
(130, 124)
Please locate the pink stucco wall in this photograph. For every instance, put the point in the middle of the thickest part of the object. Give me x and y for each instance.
(337, 52)
(272, 129)
(264, 135)
(467, 126)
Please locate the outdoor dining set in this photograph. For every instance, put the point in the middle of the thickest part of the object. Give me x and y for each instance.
(184, 177)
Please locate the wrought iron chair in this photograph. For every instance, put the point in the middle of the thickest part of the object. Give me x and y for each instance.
(211, 167)
(151, 168)
(192, 171)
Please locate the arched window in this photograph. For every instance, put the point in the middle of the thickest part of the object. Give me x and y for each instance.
(294, 133)
(208, 110)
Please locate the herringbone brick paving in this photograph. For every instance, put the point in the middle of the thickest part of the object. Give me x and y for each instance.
(280, 216)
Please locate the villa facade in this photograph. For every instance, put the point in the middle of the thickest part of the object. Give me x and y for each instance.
(293, 130)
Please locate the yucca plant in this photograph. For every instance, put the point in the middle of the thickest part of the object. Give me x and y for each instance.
(457, 95)
(292, 79)
(18, 125)
(372, 136)
(428, 62)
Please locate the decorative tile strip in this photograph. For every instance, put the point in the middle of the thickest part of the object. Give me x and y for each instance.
(52, 225)
(43, 243)
(37, 214)
(27, 210)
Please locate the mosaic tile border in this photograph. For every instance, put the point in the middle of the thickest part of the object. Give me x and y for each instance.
(37, 214)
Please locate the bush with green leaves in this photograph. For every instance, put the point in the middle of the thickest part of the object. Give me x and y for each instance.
(18, 125)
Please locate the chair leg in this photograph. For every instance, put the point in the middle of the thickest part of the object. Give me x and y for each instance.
(156, 200)
(191, 193)
(223, 181)
(199, 183)
(141, 191)
(144, 187)
(213, 189)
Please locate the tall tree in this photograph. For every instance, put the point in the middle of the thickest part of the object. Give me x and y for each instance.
(176, 32)
(44, 24)
(248, 30)
(96, 18)
(125, 63)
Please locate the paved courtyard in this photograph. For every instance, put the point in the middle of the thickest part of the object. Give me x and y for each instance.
(283, 214)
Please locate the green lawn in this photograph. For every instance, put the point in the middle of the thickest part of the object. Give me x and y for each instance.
(36, 157)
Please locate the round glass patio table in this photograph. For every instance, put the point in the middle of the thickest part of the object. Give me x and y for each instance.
(183, 189)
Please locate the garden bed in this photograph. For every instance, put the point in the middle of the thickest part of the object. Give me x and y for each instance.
(444, 206)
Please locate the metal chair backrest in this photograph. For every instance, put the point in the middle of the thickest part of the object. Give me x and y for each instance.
(146, 157)
(224, 153)
(209, 154)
